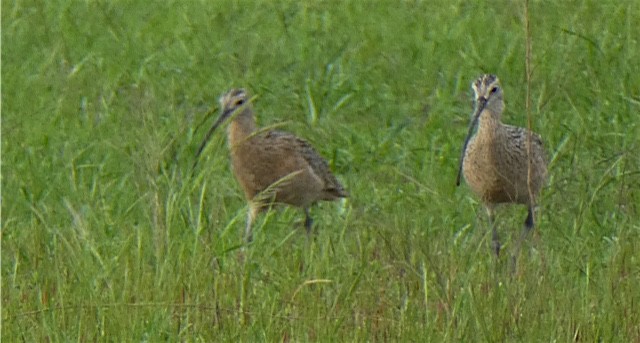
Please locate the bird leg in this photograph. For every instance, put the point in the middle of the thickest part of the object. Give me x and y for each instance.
(528, 225)
(495, 240)
(251, 215)
(308, 221)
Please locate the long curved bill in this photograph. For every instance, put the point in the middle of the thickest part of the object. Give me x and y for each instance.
(482, 102)
(215, 125)
(226, 114)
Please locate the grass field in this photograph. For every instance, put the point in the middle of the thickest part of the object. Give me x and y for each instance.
(107, 235)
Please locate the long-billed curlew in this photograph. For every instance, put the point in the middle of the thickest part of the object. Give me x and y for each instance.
(494, 161)
(272, 166)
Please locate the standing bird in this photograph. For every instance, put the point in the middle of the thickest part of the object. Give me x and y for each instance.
(494, 161)
(273, 166)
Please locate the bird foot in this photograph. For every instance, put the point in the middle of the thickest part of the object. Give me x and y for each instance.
(495, 245)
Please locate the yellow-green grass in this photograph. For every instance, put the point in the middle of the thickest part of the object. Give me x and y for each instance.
(108, 235)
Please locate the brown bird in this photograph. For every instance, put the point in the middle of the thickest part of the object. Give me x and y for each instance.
(271, 166)
(494, 161)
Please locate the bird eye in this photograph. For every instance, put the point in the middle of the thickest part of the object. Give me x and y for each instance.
(494, 89)
(240, 102)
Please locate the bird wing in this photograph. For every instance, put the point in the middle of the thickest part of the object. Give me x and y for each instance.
(519, 136)
(318, 164)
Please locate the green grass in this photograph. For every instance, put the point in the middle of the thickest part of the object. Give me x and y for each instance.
(106, 236)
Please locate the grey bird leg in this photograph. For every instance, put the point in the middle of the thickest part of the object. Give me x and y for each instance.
(308, 221)
(495, 240)
(251, 215)
(528, 225)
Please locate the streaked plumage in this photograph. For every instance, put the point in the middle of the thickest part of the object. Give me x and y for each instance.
(274, 166)
(494, 160)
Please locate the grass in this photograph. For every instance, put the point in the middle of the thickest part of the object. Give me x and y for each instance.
(106, 235)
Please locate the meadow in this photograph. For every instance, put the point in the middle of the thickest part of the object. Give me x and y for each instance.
(108, 234)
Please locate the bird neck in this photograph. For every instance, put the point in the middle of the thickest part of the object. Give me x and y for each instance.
(242, 126)
(489, 125)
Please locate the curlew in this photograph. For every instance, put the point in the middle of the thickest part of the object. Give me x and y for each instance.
(272, 167)
(494, 161)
